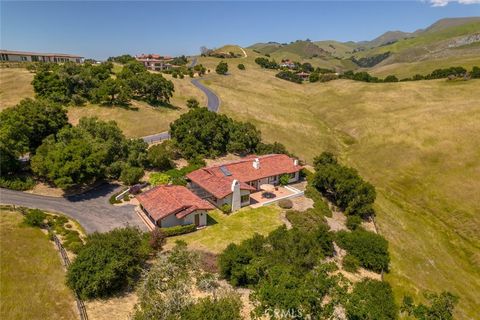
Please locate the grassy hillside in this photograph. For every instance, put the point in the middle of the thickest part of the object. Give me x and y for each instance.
(137, 120)
(408, 69)
(432, 43)
(414, 141)
(229, 48)
(33, 279)
(14, 86)
(447, 38)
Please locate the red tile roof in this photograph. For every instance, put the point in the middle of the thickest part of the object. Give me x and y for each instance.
(213, 180)
(162, 201)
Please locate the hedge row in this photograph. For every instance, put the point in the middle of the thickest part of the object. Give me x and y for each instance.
(178, 230)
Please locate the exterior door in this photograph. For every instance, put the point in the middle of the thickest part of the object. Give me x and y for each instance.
(197, 220)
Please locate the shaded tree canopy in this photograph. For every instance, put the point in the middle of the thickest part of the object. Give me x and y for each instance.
(23, 128)
(88, 152)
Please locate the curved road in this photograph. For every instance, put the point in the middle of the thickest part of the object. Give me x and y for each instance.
(213, 103)
(91, 209)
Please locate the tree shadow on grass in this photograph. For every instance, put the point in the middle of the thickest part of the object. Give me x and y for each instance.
(161, 104)
(126, 106)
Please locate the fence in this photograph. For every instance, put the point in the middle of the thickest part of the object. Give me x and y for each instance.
(66, 262)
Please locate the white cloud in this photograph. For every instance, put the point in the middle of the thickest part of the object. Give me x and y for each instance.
(443, 3)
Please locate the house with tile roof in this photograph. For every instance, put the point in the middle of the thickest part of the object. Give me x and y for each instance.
(155, 62)
(172, 205)
(232, 182)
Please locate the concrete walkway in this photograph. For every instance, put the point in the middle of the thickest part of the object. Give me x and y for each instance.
(92, 209)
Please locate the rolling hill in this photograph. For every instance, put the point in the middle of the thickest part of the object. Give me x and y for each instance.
(413, 140)
(457, 38)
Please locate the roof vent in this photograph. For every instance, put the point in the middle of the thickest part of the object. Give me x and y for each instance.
(256, 163)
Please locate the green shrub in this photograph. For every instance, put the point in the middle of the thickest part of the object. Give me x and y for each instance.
(178, 230)
(113, 197)
(284, 179)
(107, 263)
(160, 156)
(222, 68)
(192, 103)
(241, 66)
(35, 217)
(159, 178)
(218, 308)
(369, 248)
(350, 263)
(285, 204)
(354, 222)
(289, 76)
(131, 175)
(372, 299)
(17, 183)
(344, 186)
(226, 208)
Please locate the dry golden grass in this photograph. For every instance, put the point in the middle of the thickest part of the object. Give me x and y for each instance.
(404, 70)
(15, 84)
(417, 142)
(32, 282)
(139, 119)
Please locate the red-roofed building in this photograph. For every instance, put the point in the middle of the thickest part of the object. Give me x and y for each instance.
(168, 206)
(155, 62)
(231, 183)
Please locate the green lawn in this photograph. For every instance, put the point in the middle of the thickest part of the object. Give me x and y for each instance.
(415, 141)
(32, 282)
(224, 229)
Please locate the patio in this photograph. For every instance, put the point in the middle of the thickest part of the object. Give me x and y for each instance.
(263, 197)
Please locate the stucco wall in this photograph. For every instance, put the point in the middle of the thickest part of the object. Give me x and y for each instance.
(172, 220)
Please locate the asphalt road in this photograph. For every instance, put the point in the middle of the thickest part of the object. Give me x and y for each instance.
(213, 103)
(92, 209)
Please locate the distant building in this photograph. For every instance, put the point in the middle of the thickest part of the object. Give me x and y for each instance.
(25, 56)
(155, 62)
(287, 64)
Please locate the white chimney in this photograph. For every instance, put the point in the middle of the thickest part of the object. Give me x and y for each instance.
(256, 163)
(295, 162)
(236, 196)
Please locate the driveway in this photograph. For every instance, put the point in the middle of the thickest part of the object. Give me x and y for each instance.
(213, 103)
(92, 209)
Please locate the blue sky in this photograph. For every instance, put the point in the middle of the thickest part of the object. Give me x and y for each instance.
(102, 29)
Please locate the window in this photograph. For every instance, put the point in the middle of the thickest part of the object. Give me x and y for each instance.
(245, 198)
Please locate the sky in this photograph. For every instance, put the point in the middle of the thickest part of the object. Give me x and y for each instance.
(106, 28)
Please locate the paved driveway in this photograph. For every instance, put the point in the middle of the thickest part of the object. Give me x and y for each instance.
(92, 209)
(213, 101)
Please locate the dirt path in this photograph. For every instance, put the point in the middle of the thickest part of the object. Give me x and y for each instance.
(244, 52)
